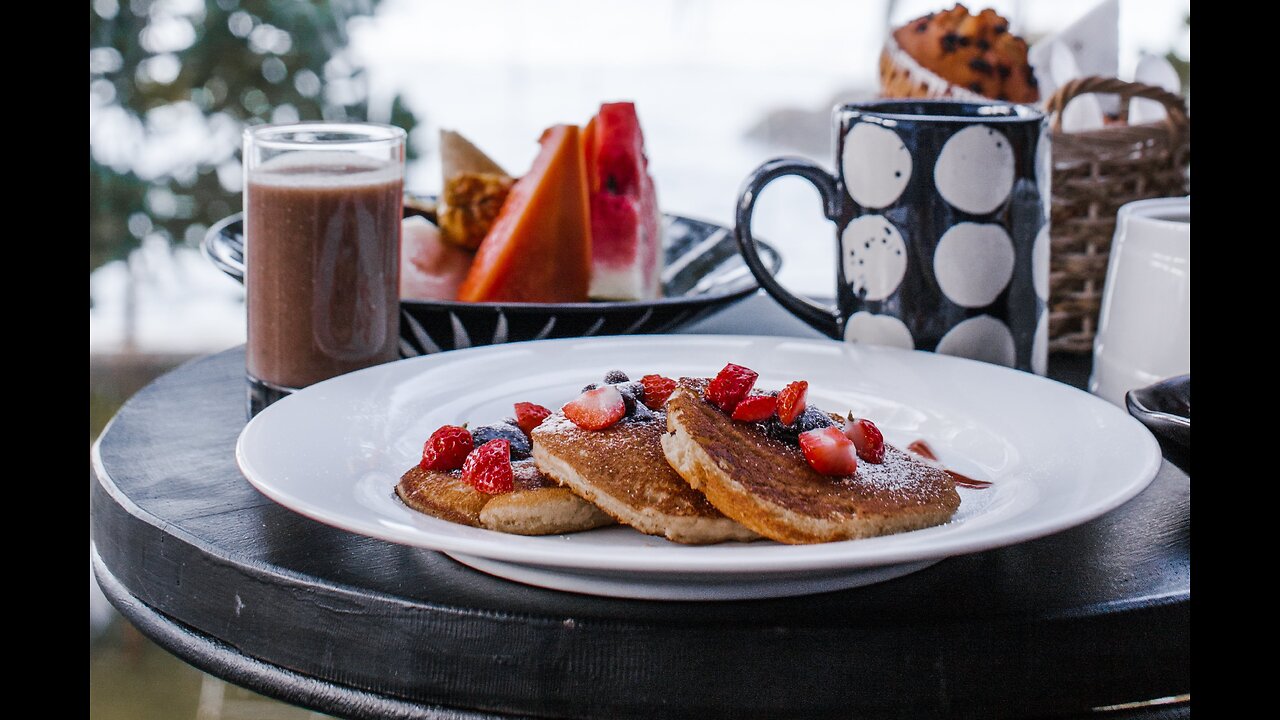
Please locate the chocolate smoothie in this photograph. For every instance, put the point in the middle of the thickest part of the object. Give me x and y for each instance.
(323, 263)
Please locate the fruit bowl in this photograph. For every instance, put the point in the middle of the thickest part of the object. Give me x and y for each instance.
(702, 273)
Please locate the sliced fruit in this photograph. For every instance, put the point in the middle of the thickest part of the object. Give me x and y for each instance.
(475, 188)
(596, 409)
(626, 226)
(430, 268)
(755, 408)
(470, 205)
(539, 249)
(792, 401)
(530, 415)
(657, 389)
(460, 155)
(866, 437)
(488, 468)
(828, 451)
(730, 386)
(446, 449)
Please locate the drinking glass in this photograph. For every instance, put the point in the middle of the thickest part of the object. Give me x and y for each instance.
(323, 204)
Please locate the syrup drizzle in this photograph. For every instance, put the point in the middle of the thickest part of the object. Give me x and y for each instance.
(922, 448)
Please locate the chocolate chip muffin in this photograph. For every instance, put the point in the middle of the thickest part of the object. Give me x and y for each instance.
(955, 54)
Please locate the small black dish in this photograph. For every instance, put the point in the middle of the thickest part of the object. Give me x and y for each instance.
(702, 273)
(1165, 408)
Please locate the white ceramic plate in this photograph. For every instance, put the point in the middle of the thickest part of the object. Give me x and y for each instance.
(1056, 456)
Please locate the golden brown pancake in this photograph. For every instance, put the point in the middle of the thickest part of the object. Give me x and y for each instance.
(623, 471)
(766, 484)
(536, 505)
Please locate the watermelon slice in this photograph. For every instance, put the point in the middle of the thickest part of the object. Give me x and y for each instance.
(626, 227)
(539, 248)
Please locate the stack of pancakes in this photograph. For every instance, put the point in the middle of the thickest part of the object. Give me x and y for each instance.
(689, 473)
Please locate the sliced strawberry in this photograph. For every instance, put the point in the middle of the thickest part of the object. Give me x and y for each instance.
(656, 390)
(829, 452)
(755, 408)
(792, 401)
(530, 415)
(488, 468)
(596, 409)
(446, 449)
(866, 437)
(730, 386)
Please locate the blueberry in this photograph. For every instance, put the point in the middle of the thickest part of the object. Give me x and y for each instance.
(615, 376)
(589, 388)
(519, 443)
(632, 394)
(812, 418)
(633, 389)
(638, 412)
(785, 433)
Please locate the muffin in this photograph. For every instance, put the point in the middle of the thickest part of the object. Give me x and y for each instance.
(952, 54)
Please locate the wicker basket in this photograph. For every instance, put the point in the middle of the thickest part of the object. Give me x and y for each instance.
(1094, 173)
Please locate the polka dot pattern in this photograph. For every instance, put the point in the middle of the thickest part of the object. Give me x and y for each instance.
(875, 257)
(973, 263)
(945, 243)
(865, 327)
(975, 170)
(877, 165)
(1040, 264)
(981, 338)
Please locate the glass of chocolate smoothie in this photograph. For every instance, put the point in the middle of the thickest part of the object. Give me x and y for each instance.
(322, 205)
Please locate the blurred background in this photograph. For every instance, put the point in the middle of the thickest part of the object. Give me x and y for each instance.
(720, 85)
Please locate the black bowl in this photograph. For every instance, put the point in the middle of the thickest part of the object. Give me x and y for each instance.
(702, 273)
(1165, 408)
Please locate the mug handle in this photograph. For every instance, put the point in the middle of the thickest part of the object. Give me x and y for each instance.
(826, 319)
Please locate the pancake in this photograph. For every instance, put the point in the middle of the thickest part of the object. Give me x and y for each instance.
(766, 485)
(536, 505)
(623, 471)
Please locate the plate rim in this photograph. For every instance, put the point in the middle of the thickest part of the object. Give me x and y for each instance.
(719, 558)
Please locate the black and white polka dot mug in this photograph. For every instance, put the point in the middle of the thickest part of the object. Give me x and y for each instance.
(941, 214)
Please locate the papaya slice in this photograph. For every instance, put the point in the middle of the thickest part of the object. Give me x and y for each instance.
(539, 248)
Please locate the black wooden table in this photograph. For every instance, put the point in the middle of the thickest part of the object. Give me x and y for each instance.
(249, 591)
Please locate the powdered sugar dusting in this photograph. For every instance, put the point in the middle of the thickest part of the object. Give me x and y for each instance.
(898, 472)
(774, 469)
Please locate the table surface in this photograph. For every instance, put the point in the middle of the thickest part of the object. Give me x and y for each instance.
(241, 587)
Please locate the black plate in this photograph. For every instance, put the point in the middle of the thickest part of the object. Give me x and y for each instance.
(702, 273)
(1165, 408)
